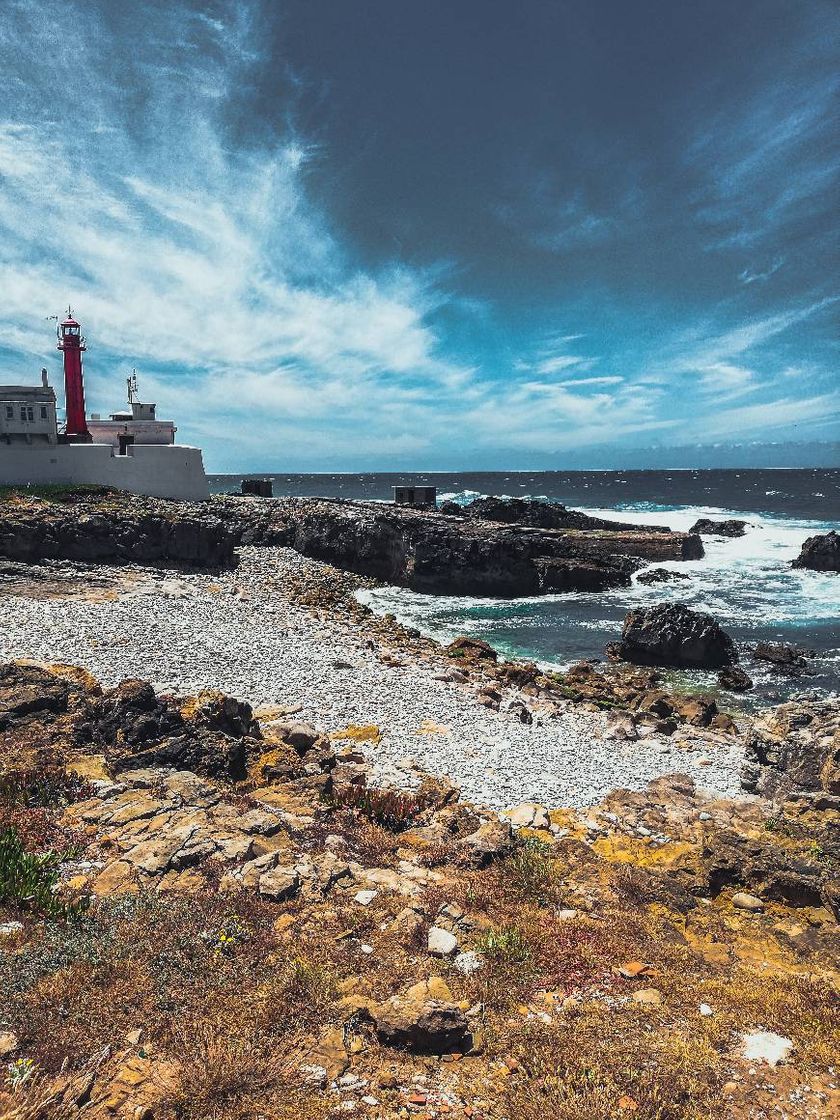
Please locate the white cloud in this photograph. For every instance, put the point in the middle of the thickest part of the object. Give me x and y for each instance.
(726, 380)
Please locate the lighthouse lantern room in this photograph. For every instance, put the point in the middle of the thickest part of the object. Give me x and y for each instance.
(72, 344)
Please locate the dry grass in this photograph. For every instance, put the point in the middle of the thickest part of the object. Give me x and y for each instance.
(604, 1064)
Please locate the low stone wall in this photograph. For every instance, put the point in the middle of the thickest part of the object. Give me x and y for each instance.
(173, 471)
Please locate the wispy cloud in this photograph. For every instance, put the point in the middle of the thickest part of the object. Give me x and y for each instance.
(195, 244)
(769, 159)
(752, 276)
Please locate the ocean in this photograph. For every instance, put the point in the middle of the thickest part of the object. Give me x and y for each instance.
(746, 583)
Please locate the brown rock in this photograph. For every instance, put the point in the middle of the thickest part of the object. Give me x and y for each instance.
(279, 884)
(424, 1020)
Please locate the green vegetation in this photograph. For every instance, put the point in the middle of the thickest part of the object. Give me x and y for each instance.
(55, 491)
(29, 880)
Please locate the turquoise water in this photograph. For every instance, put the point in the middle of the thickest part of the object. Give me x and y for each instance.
(746, 583)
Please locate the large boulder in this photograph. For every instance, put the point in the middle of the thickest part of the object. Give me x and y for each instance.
(734, 679)
(425, 1019)
(672, 634)
(820, 553)
(660, 575)
(29, 689)
(708, 528)
(793, 752)
(212, 735)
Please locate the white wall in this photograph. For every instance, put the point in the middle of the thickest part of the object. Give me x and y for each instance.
(144, 431)
(161, 471)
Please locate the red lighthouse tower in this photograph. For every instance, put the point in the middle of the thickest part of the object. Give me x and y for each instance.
(72, 344)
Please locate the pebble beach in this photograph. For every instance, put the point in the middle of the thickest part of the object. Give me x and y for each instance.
(238, 632)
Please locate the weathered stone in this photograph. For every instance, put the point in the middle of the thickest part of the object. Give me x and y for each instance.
(793, 752)
(424, 1019)
(490, 840)
(743, 901)
(672, 634)
(279, 884)
(441, 943)
(9, 1042)
(820, 553)
(529, 814)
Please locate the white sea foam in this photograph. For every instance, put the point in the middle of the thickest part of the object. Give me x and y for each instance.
(746, 583)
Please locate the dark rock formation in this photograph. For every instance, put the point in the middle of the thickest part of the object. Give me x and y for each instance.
(29, 689)
(115, 529)
(544, 515)
(137, 729)
(450, 509)
(820, 553)
(424, 1020)
(782, 656)
(794, 753)
(734, 679)
(438, 555)
(731, 528)
(660, 575)
(672, 634)
(763, 866)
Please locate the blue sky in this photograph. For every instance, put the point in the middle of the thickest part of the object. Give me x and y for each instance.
(457, 233)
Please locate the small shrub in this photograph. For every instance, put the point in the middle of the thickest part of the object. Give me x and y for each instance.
(26, 879)
(506, 945)
(20, 1071)
(393, 809)
(43, 787)
(531, 870)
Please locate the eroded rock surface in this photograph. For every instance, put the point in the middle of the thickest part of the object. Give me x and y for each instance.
(673, 634)
(820, 553)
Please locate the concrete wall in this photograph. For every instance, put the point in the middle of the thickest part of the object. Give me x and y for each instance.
(162, 471)
(144, 431)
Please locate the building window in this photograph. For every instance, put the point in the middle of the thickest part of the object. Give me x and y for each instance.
(43, 412)
(23, 415)
(31, 412)
(10, 412)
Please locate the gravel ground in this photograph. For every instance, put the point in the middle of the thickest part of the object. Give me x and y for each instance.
(188, 632)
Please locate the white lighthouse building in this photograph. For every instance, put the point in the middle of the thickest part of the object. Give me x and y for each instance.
(130, 450)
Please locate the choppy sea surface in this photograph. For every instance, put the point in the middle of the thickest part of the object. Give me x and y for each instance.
(746, 583)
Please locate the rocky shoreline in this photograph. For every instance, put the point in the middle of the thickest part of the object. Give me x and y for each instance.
(288, 633)
(423, 550)
(315, 863)
(407, 953)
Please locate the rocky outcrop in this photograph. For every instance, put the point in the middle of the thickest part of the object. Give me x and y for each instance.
(709, 528)
(734, 679)
(136, 729)
(542, 515)
(639, 692)
(793, 752)
(820, 553)
(425, 1019)
(674, 635)
(115, 529)
(782, 657)
(661, 575)
(438, 555)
